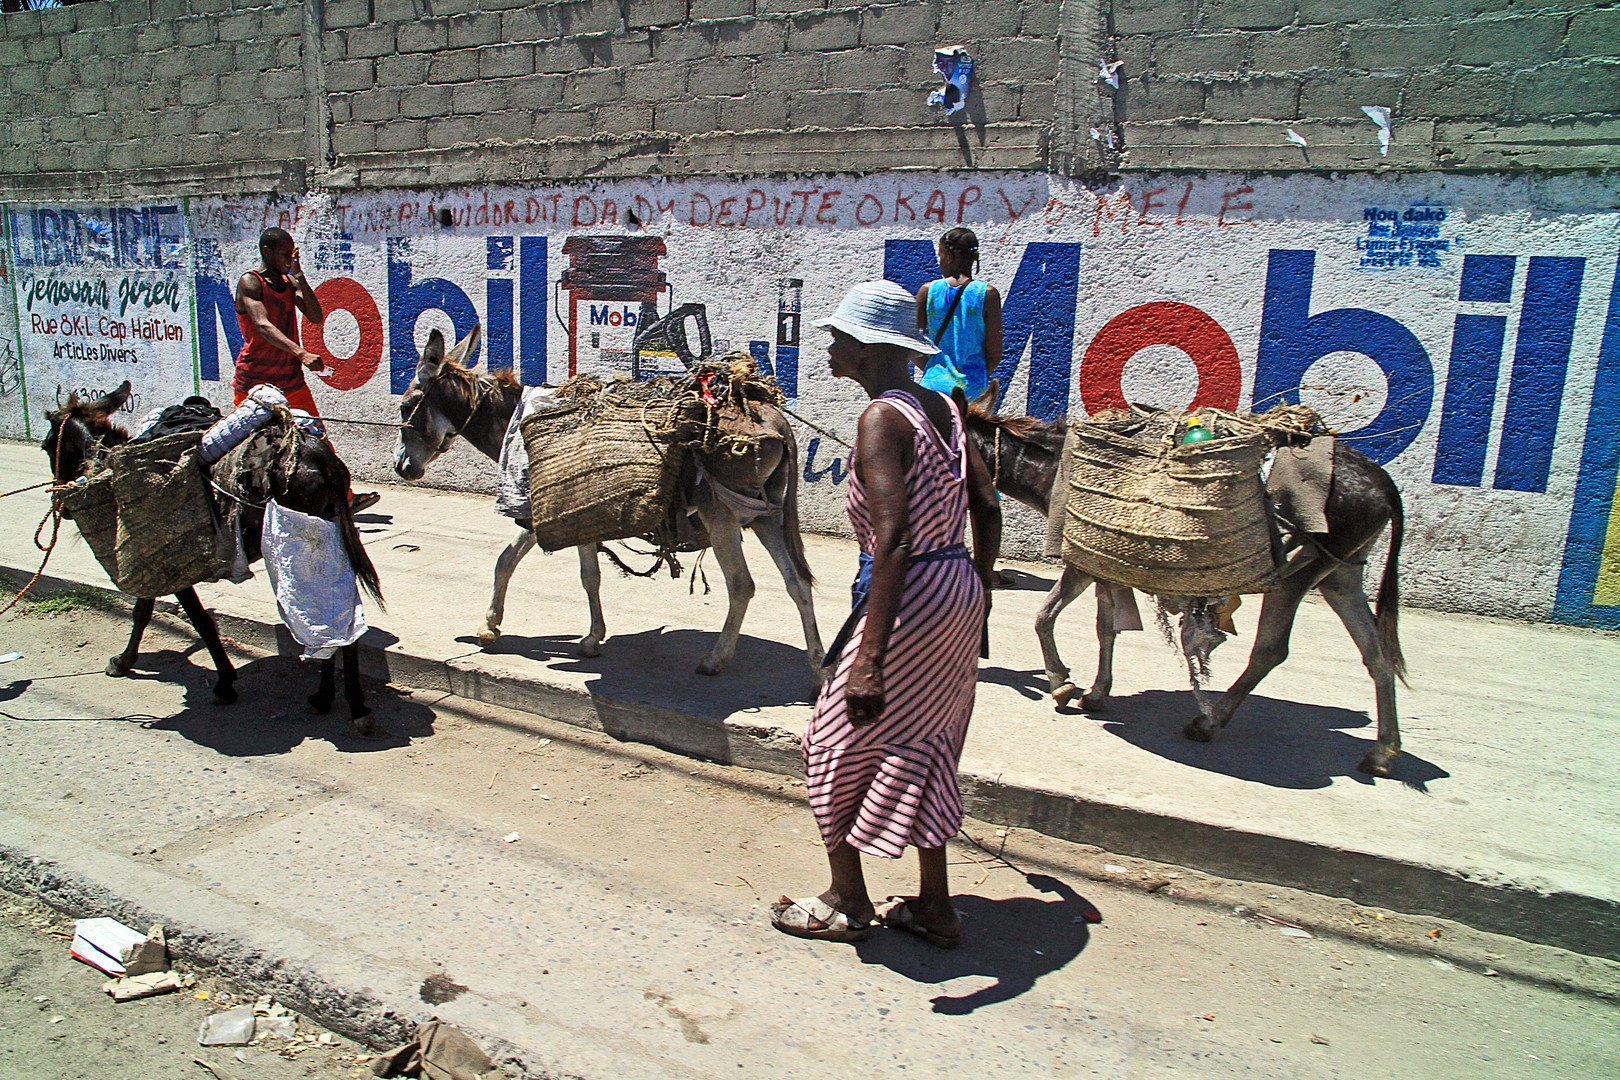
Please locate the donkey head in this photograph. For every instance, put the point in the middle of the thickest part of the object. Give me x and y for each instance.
(79, 429)
(437, 404)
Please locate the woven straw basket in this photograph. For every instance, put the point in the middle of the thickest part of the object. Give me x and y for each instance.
(1168, 519)
(606, 476)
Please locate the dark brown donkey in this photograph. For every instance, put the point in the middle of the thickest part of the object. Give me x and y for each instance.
(317, 484)
(1363, 499)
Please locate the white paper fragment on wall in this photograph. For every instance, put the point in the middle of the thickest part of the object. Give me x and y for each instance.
(955, 66)
(1109, 72)
(1379, 115)
(1296, 138)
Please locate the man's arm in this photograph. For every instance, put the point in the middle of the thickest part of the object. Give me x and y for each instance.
(305, 297)
(250, 302)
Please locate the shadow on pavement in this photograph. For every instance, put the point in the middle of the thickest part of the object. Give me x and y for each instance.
(658, 668)
(273, 715)
(1013, 941)
(1285, 744)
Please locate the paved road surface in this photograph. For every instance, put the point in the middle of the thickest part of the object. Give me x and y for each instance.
(621, 934)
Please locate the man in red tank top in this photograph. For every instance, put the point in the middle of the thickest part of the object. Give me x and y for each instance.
(268, 301)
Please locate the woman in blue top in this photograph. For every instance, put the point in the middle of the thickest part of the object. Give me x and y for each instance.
(968, 334)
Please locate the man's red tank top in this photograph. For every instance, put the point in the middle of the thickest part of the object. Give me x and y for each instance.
(260, 361)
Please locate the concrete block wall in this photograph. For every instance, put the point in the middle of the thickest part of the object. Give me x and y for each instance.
(610, 88)
(1472, 84)
(151, 87)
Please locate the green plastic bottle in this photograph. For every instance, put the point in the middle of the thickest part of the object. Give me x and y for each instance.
(1196, 432)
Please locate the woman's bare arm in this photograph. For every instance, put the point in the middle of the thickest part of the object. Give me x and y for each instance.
(885, 451)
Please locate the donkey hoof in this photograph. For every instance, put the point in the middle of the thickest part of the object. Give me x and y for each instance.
(1377, 762)
(365, 722)
(117, 668)
(1093, 701)
(590, 646)
(487, 638)
(321, 704)
(710, 666)
(1064, 694)
(1198, 731)
(224, 694)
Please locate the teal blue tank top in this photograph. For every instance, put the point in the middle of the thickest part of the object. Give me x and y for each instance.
(961, 361)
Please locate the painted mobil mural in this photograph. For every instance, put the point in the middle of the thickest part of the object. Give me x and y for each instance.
(1464, 331)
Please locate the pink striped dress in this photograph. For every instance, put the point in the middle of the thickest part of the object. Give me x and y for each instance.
(893, 782)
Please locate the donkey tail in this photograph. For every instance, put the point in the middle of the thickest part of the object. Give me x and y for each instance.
(1389, 594)
(790, 510)
(364, 572)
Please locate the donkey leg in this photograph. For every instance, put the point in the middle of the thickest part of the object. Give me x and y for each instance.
(321, 700)
(521, 545)
(1107, 633)
(208, 631)
(122, 663)
(1343, 591)
(1062, 595)
(365, 722)
(590, 577)
(770, 534)
(1271, 634)
(726, 539)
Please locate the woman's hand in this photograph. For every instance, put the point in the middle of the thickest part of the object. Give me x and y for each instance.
(863, 694)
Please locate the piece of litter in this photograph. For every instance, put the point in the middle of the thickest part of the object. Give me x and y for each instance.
(955, 66)
(1379, 115)
(511, 838)
(233, 1027)
(546, 797)
(139, 986)
(1293, 931)
(1112, 869)
(1207, 1016)
(100, 943)
(276, 1027)
(1435, 932)
(1319, 1041)
(1109, 72)
(57, 1019)
(1443, 965)
(534, 787)
(1490, 973)
(326, 1039)
(545, 742)
(149, 954)
(1296, 138)
(9, 657)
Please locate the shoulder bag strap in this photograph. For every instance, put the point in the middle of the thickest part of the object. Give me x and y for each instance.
(946, 321)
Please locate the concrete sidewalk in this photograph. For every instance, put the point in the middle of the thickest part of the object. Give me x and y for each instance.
(1502, 814)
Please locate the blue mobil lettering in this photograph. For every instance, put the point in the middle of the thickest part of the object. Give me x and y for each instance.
(608, 315)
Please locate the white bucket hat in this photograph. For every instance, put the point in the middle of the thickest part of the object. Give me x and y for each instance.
(880, 313)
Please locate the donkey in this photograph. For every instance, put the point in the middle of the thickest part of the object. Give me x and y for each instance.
(317, 484)
(1024, 453)
(446, 399)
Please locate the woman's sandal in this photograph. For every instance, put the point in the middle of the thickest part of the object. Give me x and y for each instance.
(814, 918)
(899, 916)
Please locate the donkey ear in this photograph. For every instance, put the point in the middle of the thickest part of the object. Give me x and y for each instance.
(467, 346)
(986, 402)
(432, 359)
(113, 401)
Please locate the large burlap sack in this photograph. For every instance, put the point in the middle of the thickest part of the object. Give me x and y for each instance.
(605, 466)
(91, 505)
(1169, 519)
(168, 534)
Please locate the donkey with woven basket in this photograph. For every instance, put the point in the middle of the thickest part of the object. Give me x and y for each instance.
(1195, 524)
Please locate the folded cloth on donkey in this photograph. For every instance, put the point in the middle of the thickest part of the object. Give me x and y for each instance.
(512, 480)
(316, 591)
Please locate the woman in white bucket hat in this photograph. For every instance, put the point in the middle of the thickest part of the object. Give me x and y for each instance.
(882, 747)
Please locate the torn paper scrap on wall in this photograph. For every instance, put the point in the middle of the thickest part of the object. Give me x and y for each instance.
(955, 66)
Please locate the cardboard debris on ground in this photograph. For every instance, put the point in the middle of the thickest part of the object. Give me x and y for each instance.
(439, 1052)
(233, 1027)
(139, 986)
(101, 942)
(148, 955)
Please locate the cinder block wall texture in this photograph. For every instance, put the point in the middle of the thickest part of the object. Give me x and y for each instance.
(270, 96)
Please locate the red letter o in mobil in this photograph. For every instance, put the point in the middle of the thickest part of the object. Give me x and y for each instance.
(1220, 377)
(347, 372)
